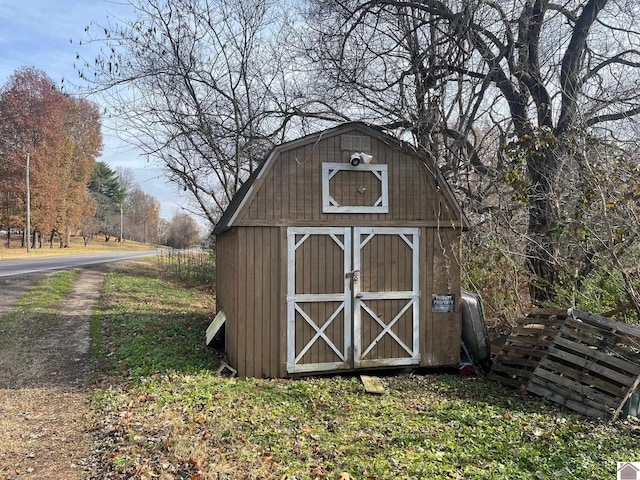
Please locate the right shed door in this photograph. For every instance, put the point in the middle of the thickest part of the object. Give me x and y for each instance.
(386, 297)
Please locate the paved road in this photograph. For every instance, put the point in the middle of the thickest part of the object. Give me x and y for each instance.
(30, 266)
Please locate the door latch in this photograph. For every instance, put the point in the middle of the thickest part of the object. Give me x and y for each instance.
(354, 274)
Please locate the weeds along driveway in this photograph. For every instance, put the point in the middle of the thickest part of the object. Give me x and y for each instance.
(44, 364)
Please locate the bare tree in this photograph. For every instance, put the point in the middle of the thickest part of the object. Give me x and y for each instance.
(194, 84)
(501, 93)
(549, 78)
(183, 232)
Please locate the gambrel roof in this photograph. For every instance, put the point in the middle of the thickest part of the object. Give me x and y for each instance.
(244, 195)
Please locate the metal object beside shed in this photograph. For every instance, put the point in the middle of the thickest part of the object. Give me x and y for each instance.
(474, 328)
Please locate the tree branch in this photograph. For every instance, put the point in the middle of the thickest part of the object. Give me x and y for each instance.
(611, 117)
(571, 63)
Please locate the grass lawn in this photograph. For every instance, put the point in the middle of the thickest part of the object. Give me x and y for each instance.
(160, 412)
(76, 247)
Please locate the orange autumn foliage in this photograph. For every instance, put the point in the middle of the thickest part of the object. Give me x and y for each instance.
(62, 136)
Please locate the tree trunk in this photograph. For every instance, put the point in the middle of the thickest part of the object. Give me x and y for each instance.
(86, 237)
(543, 221)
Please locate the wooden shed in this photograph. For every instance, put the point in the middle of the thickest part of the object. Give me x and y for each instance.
(341, 252)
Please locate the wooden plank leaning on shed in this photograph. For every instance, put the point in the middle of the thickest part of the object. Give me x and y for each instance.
(592, 367)
(525, 346)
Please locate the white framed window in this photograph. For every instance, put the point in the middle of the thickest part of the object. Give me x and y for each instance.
(355, 189)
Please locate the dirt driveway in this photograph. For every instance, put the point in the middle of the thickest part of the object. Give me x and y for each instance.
(44, 401)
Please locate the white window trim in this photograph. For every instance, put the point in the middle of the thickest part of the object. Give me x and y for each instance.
(329, 204)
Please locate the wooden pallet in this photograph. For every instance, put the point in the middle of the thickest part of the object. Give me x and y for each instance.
(592, 366)
(525, 346)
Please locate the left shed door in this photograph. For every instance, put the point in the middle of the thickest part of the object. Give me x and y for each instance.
(318, 299)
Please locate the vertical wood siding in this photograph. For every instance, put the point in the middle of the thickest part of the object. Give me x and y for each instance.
(291, 191)
(255, 301)
(387, 347)
(355, 188)
(252, 291)
(227, 287)
(319, 351)
(443, 337)
(386, 267)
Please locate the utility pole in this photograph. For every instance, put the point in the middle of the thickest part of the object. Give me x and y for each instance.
(27, 230)
(120, 223)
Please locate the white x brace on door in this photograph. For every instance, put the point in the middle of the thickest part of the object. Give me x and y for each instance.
(352, 298)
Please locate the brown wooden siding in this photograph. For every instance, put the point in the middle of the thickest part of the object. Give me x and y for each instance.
(386, 265)
(443, 329)
(426, 289)
(387, 347)
(366, 192)
(252, 292)
(319, 266)
(226, 286)
(290, 191)
(250, 258)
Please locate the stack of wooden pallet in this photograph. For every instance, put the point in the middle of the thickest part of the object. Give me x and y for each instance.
(525, 346)
(583, 361)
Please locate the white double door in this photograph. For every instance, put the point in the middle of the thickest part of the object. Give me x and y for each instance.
(352, 298)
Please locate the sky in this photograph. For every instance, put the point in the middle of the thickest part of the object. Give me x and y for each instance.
(45, 34)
